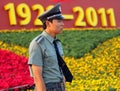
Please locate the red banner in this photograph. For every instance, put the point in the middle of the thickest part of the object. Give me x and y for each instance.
(23, 14)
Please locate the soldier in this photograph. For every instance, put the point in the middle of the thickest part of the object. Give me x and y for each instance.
(43, 59)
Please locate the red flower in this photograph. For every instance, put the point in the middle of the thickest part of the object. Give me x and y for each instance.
(13, 70)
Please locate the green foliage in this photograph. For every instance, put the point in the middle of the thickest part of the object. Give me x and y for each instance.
(18, 38)
(75, 43)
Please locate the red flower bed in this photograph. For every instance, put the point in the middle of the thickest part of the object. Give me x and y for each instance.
(13, 70)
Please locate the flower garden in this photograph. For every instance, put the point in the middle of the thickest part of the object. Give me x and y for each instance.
(93, 57)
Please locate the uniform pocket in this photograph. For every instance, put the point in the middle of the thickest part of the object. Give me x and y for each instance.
(50, 53)
(50, 58)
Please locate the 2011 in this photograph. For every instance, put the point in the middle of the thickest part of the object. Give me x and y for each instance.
(90, 17)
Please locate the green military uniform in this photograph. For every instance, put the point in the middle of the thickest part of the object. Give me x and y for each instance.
(42, 53)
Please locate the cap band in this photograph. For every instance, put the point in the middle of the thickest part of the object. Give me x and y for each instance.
(50, 17)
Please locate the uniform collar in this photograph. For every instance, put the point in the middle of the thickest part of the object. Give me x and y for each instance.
(50, 38)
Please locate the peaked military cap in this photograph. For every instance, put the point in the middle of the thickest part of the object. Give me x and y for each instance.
(55, 12)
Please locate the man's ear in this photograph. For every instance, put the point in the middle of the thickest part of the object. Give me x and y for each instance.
(47, 23)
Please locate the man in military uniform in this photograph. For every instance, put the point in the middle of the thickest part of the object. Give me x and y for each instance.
(43, 59)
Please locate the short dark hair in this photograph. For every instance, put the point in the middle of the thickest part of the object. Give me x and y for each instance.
(44, 24)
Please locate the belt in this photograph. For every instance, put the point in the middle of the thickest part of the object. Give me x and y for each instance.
(54, 85)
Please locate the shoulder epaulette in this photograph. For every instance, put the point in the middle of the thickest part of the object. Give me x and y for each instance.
(39, 39)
